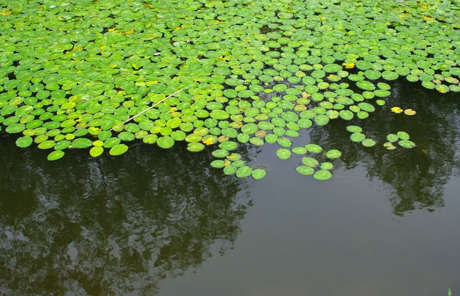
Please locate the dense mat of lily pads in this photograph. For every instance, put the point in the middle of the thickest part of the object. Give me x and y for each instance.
(99, 74)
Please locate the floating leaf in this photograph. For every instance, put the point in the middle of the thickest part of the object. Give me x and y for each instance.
(195, 147)
(96, 151)
(309, 161)
(82, 143)
(219, 163)
(409, 112)
(322, 175)
(406, 144)
(321, 120)
(333, 153)
(357, 137)
(258, 174)
(229, 145)
(24, 141)
(284, 142)
(244, 172)
(403, 135)
(368, 143)
(389, 146)
(230, 170)
(220, 153)
(118, 149)
(299, 150)
(327, 166)
(305, 170)
(283, 153)
(55, 155)
(354, 129)
(165, 142)
(313, 148)
(392, 138)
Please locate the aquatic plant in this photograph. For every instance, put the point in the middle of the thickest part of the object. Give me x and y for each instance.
(98, 75)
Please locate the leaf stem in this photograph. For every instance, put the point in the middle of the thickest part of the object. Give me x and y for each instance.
(138, 114)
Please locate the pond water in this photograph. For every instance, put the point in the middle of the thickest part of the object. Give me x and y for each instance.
(162, 222)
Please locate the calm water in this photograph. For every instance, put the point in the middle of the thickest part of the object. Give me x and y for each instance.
(155, 222)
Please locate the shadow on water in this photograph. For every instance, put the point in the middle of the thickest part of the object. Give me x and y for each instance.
(416, 176)
(111, 226)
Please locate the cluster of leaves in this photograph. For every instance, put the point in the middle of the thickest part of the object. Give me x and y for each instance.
(73, 73)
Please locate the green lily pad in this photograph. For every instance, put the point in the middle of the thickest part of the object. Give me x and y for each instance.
(322, 175)
(346, 114)
(299, 150)
(333, 153)
(365, 85)
(230, 170)
(271, 138)
(309, 161)
(218, 164)
(305, 170)
(283, 153)
(165, 142)
(406, 144)
(24, 141)
(258, 174)
(321, 120)
(389, 146)
(256, 141)
(368, 143)
(55, 155)
(47, 144)
(220, 153)
(392, 138)
(327, 166)
(313, 148)
(354, 129)
(403, 135)
(96, 151)
(244, 172)
(118, 149)
(229, 145)
(284, 142)
(195, 147)
(82, 143)
(357, 137)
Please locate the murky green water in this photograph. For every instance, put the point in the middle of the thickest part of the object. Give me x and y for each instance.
(155, 222)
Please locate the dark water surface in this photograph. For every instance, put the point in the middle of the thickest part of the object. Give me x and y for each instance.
(155, 222)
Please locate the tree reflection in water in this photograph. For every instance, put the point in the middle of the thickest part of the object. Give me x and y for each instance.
(110, 226)
(418, 175)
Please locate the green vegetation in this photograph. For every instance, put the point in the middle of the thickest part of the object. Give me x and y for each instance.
(100, 74)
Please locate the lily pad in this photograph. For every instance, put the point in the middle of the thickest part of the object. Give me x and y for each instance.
(357, 137)
(354, 129)
(243, 172)
(55, 155)
(165, 142)
(118, 149)
(283, 153)
(305, 170)
(309, 161)
(258, 174)
(322, 175)
(228, 145)
(24, 141)
(96, 151)
(333, 153)
(368, 143)
(406, 144)
(313, 148)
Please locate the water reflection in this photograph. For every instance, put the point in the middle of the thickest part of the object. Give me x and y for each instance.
(417, 176)
(110, 226)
